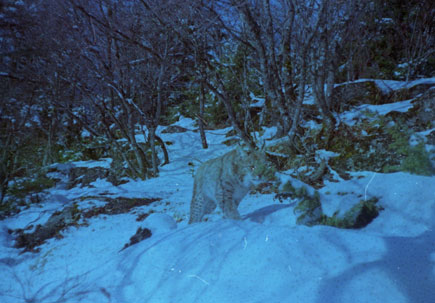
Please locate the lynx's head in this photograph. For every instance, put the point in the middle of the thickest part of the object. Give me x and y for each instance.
(254, 165)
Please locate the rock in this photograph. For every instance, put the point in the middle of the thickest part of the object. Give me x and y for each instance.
(174, 129)
(140, 235)
(409, 92)
(424, 109)
(361, 214)
(84, 176)
(57, 222)
(347, 95)
(421, 116)
(352, 94)
(309, 210)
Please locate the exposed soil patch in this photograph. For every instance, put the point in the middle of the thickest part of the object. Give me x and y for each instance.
(72, 216)
(58, 221)
(171, 129)
(142, 217)
(119, 205)
(141, 234)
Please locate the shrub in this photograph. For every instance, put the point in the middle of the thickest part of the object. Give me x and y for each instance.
(22, 188)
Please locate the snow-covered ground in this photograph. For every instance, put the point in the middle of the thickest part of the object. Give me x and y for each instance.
(387, 86)
(265, 257)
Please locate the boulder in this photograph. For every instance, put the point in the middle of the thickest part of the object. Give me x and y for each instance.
(352, 94)
(174, 129)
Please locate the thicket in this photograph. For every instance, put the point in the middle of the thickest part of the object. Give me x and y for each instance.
(89, 79)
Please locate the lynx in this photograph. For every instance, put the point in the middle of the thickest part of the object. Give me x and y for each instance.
(224, 182)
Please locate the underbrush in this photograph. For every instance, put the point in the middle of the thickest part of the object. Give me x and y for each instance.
(309, 209)
(376, 143)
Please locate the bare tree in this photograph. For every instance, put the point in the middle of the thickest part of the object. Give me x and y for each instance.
(297, 44)
(20, 67)
(338, 21)
(280, 33)
(112, 67)
(138, 64)
(414, 25)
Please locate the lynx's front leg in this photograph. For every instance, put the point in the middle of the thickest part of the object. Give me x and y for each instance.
(229, 205)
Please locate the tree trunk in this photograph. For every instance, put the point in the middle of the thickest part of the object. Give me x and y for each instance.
(138, 152)
(223, 97)
(269, 70)
(299, 101)
(322, 98)
(165, 150)
(201, 116)
(48, 154)
(152, 138)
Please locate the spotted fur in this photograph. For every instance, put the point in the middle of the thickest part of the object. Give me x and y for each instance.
(225, 181)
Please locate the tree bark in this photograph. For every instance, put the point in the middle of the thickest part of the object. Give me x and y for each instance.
(201, 115)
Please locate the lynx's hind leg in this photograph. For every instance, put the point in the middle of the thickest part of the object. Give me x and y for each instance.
(196, 209)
